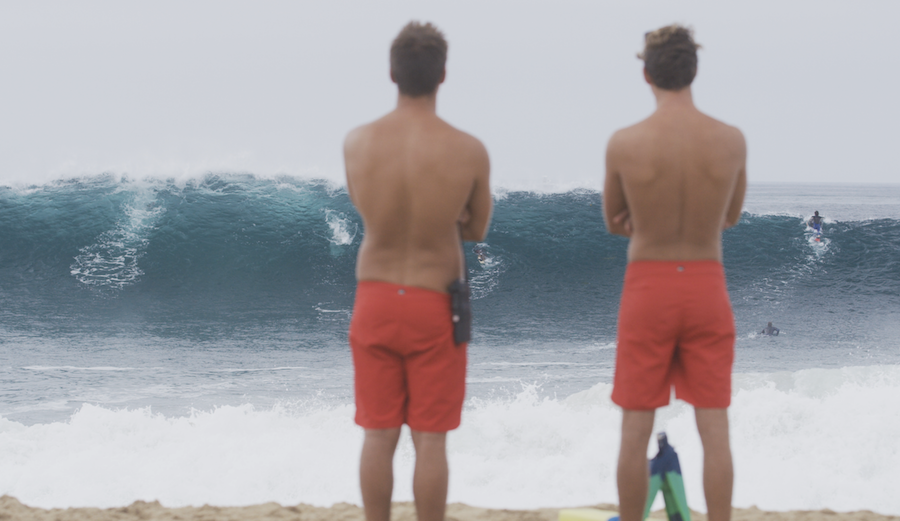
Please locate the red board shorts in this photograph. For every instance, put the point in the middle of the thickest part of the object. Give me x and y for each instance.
(408, 369)
(676, 329)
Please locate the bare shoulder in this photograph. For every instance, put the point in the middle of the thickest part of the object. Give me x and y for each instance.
(351, 142)
(466, 144)
(359, 136)
(474, 147)
(625, 139)
(731, 136)
(729, 131)
(620, 138)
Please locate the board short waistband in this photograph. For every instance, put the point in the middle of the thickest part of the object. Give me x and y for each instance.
(378, 288)
(666, 267)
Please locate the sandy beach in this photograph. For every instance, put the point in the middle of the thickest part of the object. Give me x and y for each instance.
(11, 508)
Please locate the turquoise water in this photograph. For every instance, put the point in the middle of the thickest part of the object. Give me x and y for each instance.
(233, 289)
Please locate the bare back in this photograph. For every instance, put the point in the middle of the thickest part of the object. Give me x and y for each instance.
(413, 177)
(680, 176)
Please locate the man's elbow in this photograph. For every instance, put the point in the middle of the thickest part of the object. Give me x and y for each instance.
(474, 235)
(616, 229)
(473, 232)
(731, 221)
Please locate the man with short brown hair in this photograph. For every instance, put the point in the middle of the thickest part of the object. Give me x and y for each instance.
(421, 186)
(673, 182)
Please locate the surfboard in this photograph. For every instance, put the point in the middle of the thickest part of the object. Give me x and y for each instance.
(587, 514)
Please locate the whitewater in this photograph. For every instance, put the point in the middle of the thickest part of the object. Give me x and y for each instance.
(186, 341)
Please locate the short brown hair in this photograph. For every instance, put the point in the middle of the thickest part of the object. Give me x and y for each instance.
(670, 57)
(418, 56)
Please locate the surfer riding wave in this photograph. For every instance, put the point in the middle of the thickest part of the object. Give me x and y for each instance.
(815, 222)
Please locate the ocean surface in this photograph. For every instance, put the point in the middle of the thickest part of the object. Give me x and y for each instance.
(186, 341)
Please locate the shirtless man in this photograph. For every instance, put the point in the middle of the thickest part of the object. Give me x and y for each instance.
(770, 330)
(418, 184)
(673, 182)
(815, 222)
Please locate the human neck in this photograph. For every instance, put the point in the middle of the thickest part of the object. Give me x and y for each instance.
(426, 103)
(673, 99)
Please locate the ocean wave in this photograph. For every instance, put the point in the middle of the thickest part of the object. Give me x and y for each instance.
(250, 246)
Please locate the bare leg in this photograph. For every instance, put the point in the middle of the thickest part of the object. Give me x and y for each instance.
(376, 472)
(430, 479)
(718, 473)
(633, 479)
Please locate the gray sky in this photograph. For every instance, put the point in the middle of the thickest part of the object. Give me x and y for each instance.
(172, 88)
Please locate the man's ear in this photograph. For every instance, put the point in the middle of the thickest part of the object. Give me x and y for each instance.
(393, 79)
(443, 75)
(647, 76)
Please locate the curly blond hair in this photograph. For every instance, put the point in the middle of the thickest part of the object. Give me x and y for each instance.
(670, 56)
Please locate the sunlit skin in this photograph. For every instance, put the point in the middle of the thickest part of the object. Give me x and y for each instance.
(673, 182)
(418, 183)
(413, 177)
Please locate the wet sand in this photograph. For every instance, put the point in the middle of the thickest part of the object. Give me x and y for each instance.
(12, 509)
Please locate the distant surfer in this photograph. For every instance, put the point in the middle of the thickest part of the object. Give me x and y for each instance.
(769, 330)
(482, 257)
(815, 222)
(674, 181)
(421, 187)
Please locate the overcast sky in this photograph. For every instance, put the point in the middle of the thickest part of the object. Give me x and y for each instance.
(179, 88)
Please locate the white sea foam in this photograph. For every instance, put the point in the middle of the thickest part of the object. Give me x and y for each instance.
(838, 202)
(75, 368)
(112, 260)
(812, 439)
(343, 231)
(259, 369)
(191, 173)
(527, 364)
(178, 173)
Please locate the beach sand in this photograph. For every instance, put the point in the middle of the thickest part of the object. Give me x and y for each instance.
(12, 509)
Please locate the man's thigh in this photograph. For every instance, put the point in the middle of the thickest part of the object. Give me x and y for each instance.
(379, 387)
(702, 372)
(648, 329)
(436, 380)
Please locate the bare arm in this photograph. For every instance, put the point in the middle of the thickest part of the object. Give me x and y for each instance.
(477, 213)
(615, 207)
(733, 215)
(350, 146)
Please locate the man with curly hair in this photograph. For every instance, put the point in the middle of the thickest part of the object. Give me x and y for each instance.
(673, 182)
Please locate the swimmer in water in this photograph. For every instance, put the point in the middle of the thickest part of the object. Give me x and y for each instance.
(770, 330)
